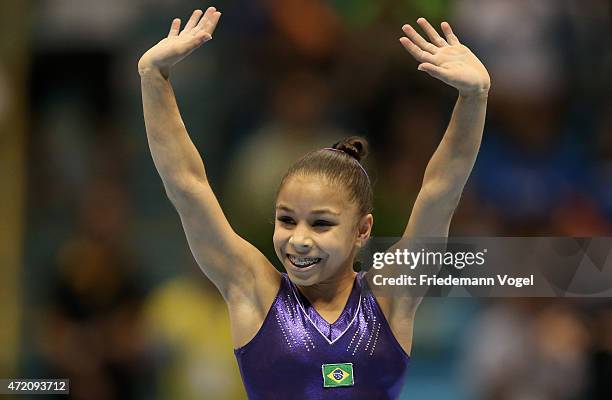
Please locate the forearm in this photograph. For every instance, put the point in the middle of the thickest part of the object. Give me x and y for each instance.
(176, 158)
(453, 160)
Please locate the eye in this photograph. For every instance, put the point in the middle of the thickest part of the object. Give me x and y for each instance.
(322, 223)
(286, 220)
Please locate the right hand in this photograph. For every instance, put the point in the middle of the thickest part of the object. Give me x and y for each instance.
(176, 46)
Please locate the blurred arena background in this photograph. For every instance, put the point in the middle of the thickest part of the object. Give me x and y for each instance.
(97, 283)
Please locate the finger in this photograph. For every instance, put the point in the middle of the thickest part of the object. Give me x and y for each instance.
(206, 17)
(433, 70)
(448, 32)
(209, 22)
(418, 39)
(193, 21)
(175, 27)
(416, 52)
(212, 24)
(433, 35)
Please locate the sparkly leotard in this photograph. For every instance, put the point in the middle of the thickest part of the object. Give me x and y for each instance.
(285, 359)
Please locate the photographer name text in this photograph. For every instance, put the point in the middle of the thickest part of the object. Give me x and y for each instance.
(433, 280)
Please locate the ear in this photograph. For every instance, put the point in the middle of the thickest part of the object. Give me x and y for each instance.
(364, 228)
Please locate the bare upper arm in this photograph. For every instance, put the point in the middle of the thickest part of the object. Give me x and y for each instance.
(432, 211)
(228, 260)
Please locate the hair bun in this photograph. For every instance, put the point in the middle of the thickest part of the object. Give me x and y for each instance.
(355, 146)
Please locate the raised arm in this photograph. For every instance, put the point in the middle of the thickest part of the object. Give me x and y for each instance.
(449, 168)
(227, 259)
(176, 158)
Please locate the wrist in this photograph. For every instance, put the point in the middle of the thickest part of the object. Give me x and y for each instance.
(147, 69)
(475, 94)
(153, 72)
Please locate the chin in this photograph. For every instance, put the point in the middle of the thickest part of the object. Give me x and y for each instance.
(303, 279)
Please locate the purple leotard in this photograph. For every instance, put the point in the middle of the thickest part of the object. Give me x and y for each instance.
(284, 360)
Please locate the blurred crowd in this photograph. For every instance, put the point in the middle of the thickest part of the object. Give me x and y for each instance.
(114, 299)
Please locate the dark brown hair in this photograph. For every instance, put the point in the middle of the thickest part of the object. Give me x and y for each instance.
(341, 166)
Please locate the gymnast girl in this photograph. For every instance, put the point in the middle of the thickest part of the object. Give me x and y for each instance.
(316, 331)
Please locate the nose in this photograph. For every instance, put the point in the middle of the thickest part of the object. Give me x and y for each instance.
(300, 241)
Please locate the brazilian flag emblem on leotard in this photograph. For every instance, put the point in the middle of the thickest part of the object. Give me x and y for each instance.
(335, 375)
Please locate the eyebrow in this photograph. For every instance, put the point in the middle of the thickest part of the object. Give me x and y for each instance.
(318, 211)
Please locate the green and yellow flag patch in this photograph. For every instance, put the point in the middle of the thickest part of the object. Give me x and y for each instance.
(336, 375)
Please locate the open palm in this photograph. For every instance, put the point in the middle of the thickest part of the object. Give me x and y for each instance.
(179, 44)
(446, 58)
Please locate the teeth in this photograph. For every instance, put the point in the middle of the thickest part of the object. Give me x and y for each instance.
(303, 261)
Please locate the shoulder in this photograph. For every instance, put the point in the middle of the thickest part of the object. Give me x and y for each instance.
(398, 310)
(250, 303)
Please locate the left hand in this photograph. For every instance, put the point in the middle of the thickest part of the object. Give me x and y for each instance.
(447, 59)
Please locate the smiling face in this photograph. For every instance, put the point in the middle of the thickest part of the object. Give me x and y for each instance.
(317, 230)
